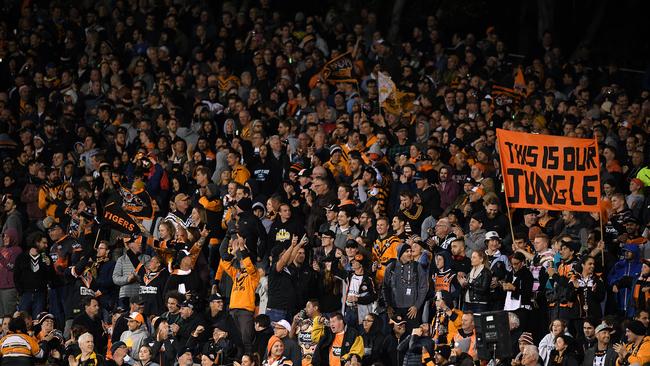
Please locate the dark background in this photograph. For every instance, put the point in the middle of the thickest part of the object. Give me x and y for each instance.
(620, 29)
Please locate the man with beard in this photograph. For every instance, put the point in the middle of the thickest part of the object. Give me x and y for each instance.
(602, 352)
(461, 262)
(50, 191)
(314, 210)
(384, 248)
(412, 212)
(495, 220)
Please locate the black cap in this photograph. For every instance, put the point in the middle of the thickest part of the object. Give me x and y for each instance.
(636, 327)
(187, 304)
(117, 345)
(530, 211)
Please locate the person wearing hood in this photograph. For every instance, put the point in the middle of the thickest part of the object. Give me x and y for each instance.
(260, 211)
(443, 277)
(413, 344)
(9, 252)
(622, 275)
(275, 353)
(251, 229)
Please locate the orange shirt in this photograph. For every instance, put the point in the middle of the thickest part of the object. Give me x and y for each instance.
(335, 350)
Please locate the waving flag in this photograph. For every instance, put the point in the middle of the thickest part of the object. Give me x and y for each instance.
(137, 204)
(120, 220)
(520, 83)
(339, 70)
(386, 87)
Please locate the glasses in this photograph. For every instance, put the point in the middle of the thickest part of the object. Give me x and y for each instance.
(368, 320)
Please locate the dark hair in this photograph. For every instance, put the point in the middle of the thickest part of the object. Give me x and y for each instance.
(263, 320)
(176, 295)
(255, 358)
(34, 238)
(519, 256)
(337, 315)
(17, 325)
(87, 300)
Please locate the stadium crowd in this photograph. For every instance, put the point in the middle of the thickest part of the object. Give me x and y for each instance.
(284, 218)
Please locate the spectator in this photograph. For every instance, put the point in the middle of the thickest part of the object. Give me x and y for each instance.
(338, 343)
(405, 287)
(134, 337)
(602, 352)
(90, 319)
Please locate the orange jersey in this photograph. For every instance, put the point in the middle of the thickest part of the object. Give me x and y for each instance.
(383, 252)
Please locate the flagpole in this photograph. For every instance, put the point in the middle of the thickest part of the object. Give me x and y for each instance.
(505, 191)
(512, 231)
(600, 214)
(97, 237)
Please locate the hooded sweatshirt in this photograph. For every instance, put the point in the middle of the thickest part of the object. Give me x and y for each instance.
(8, 255)
(623, 274)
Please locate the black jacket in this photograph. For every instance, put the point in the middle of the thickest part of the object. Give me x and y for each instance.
(374, 344)
(251, 229)
(261, 341)
(31, 277)
(479, 289)
(610, 357)
(94, 327)
(523, 282)
(187, 326)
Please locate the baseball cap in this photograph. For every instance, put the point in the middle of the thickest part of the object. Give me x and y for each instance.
(531, 211)
(282, 324)
(117, 345)
(41, 317)
(181, 197)
(603, 326)
(492, 235)
(398, 319)
(137, 317)
(187, 304)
